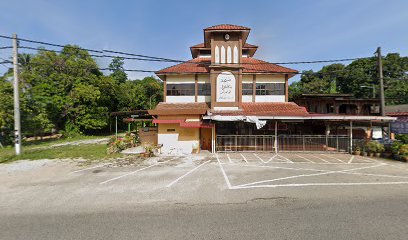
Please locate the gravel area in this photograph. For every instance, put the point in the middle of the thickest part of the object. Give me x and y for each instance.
(25, 165)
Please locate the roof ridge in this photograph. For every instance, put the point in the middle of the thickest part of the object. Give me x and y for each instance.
(224, 25)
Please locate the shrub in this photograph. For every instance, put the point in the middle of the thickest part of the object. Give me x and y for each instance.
(375, 147)
(371, 146)
(116, 145)
(402, 137)
(395, 147)
(380, 148)
(403, 150)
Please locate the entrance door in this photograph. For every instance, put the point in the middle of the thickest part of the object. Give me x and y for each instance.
(205, 139)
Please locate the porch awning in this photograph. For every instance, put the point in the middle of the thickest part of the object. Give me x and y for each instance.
(196, 125)
(310, 117)
(168, 120)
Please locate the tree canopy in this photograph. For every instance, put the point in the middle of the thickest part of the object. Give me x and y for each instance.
(358, 78)
(66, 92)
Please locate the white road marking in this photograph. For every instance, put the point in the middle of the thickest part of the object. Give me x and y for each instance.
(375, 175)
(98, 166)
(192, 170)
(305, 158)
(351, 159)
(223, 172)
(259, 158)
(244, 157)
(338, 159)
(127, 174)
(366, 159)
(284, 158)
(286, 168)
(319, 184)
(309, 175)
(229, 159)
(324, 160)
(270, 159)
(398, 167)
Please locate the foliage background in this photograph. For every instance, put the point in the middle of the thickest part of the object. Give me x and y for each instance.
(67, 93)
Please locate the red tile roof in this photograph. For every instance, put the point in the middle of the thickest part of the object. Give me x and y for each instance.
(250, 65)
(226, 27)
(396, 114)
(196, 125)
(246, 45)
(179, 108)
(266, 109)
(168, 120)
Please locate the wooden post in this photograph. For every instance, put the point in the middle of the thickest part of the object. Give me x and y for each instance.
(196, 87)
(254, 88)
(286, 87)
(164, 88)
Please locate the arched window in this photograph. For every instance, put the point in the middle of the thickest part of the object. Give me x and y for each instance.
(229, 54)
(217, 54)
(222, 54)
(236, 54)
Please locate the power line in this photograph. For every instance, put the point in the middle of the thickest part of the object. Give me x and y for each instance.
(93, 55)
(6, 47)
(49, 44)
(205, 63)
(160, 59)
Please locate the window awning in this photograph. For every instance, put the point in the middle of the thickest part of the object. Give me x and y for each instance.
(196, 125)
(168, 120)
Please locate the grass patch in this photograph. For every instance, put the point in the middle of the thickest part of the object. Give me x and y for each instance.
(87, 151)
(52, 141)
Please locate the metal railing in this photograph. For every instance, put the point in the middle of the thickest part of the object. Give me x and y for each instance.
(266, 143)
(245, 143)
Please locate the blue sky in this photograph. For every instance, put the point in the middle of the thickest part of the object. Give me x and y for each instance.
(284, 30)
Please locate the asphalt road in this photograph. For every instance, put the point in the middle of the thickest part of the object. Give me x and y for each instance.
(385, 218)
(190, 198)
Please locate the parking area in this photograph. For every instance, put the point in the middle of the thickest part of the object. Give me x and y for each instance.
(225, 177)
(248, 171)
(252, 170)
(260, 170)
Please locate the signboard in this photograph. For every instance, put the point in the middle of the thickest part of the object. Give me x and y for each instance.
(376, 133)
(399, 127)
(225, 87)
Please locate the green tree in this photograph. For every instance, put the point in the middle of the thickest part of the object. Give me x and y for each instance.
(6, 110)
(117, 69)
(64, 91)
(362, 72)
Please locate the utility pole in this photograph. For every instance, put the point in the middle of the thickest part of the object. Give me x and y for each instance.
(17, 123)
(380, 73)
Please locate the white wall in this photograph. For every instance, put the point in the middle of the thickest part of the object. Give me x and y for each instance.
(270, 98)
(171, 145)
(170, 79)
(246, 98)
(270, 78)
(203, 98)
(203, 78)
(180, 99)
(247, 78)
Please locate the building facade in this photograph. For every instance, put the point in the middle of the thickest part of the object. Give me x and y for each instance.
(226, 99)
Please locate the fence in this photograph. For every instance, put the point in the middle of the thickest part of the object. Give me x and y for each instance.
(266, 143)
(245, 143)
